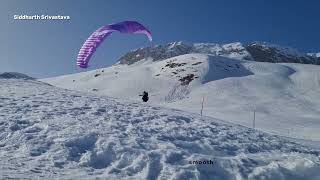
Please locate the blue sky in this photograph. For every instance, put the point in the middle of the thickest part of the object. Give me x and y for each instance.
(49, 48)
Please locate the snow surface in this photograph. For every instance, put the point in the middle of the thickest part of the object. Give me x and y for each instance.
(284, 96)
(53, 133)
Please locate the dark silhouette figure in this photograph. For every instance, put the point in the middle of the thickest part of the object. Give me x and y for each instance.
(145, 96)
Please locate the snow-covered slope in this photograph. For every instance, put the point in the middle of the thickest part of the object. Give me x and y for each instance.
(285, 97)
(52, 133)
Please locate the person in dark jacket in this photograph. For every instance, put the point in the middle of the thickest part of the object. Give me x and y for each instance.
(145, 96)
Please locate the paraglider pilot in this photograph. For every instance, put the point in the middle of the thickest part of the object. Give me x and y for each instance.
(145, 96)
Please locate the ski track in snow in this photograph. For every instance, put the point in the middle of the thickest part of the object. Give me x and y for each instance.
(48, 132)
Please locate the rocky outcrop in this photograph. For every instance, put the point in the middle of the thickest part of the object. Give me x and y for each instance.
(264, 52)
(14, 75)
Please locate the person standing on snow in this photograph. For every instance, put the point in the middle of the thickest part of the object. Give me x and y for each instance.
(145, 96)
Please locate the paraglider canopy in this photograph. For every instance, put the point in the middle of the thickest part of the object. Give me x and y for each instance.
(97, 37)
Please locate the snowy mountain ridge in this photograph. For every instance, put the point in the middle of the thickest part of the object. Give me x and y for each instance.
(314, 54)
(281, 49)
(256, 51)
(267, 52)
(161, 52)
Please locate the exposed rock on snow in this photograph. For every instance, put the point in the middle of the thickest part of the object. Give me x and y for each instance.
(14, 75)
(52, 133)
(187, 79)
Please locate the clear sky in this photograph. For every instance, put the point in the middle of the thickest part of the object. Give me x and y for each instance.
(49, 48)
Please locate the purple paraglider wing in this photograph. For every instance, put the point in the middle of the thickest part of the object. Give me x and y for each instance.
(97, 37)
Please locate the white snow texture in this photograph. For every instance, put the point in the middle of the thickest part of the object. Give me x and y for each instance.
(52, 133)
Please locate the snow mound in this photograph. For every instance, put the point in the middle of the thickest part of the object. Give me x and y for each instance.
(14, 75)
(54, 133)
